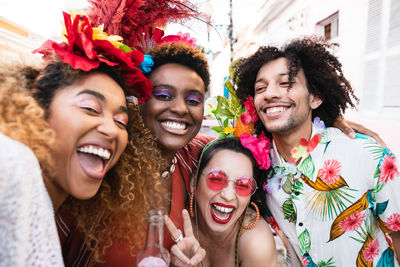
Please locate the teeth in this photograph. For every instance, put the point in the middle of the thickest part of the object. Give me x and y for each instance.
(98, 151)
(223, 209)
(174, 125)
(275, 110)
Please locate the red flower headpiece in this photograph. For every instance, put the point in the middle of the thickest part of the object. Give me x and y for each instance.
(86, 47)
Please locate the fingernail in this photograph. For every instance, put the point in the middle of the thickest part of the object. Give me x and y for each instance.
(352, 135)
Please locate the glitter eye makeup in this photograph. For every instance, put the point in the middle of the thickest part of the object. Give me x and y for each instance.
(163, 93)
(194, 98)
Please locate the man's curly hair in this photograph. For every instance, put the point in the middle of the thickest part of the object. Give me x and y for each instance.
(183, 54)
(322, 70)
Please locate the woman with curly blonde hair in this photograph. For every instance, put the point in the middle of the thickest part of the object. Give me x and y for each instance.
(90, 141)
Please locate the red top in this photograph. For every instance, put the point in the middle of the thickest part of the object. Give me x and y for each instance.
(74, 248)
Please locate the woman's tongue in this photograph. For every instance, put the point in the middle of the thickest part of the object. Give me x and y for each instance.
(90, 162)
(219, 214)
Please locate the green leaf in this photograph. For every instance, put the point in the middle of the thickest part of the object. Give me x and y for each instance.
(125, 48)
(223, 108)
(289, 211)
(304, 242)
(307, 167)
(288, 185)
(232, 67)
(217, 129)
(226, 121)
(228, 84)
(377, 172)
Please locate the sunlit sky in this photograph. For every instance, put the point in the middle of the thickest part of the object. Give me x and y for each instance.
(43, 17)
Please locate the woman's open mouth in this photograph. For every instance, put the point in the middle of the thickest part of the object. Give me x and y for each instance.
(93, 160)
(221, 213)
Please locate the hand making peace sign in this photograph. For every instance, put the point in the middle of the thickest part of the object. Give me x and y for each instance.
(185, 246)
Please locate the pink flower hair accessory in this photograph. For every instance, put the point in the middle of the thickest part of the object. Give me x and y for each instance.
(250, 115)
(259, 147)
(179, 37)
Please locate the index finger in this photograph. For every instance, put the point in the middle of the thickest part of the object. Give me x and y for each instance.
(187, 224)
(171, 227)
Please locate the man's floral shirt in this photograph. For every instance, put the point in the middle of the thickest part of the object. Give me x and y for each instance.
(339, 199)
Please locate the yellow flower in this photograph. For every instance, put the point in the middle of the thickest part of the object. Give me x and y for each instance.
(228, 130)
(99, 34)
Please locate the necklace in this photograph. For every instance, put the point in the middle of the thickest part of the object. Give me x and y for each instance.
(171, 168)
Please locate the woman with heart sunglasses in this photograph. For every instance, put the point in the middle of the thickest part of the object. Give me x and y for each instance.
(224, 212)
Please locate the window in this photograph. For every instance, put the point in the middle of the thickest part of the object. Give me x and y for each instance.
(382, 58)
(329, 27)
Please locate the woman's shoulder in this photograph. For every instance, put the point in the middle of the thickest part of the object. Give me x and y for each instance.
(257, 245)
(15, 153)
(199, 142)
(192, 150)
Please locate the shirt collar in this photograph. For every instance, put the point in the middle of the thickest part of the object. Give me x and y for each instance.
(306, 165)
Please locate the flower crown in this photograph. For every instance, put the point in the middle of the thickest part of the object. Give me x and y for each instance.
(86, 47)
(237, 120)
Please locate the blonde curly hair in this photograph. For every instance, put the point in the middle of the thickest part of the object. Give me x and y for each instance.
(21, 118)
(128, 191)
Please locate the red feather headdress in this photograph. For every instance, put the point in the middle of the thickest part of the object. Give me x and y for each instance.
(136, 20)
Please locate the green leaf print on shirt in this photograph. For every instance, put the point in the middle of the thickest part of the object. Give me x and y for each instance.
(307, 167)
(289, 211)
(304, 242)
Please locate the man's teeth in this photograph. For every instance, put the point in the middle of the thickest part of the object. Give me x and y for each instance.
(275, 110)
(223, 209)
(98, 151)
(174, 125)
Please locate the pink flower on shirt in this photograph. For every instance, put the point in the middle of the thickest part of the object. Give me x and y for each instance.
(388, 169)
(330, 172)
(305, 261)
(371, 251)
(353, 222)
(393, 222)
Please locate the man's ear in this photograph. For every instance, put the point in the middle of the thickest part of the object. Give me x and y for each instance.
(315, 101)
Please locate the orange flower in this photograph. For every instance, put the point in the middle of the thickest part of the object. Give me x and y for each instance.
(241, 128)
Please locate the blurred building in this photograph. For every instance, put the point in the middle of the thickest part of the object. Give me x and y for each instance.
(16, 41)
(25, 25)
(368, 32)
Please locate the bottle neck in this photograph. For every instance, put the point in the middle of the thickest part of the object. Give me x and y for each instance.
(155, 231)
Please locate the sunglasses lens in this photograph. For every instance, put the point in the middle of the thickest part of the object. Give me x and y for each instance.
(245, 186)
(216, 180)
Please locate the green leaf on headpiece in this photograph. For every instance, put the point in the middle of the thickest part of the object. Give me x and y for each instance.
(223, 108)
(232, 109)
(226, 121)
(125, 48)
(232, 68)
(217, 129)
(236, 107)
(228, 84)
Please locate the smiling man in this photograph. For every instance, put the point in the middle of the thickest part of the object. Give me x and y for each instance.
(333, 197)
